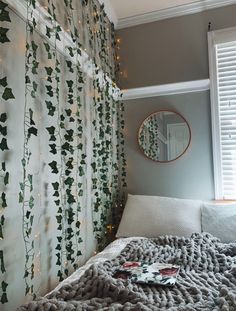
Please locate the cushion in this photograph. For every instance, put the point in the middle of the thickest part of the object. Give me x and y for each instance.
(153, 216)
(220, 221)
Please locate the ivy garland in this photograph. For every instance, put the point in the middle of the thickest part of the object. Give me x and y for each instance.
(68, 186)
(26, 194)
(4, 174)
(56, 136)
(121, 161)
(66, 135)
(74, 97)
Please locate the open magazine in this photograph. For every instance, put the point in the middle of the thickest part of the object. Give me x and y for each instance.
(156, 273)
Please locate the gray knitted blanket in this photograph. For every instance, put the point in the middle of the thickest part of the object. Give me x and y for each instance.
(207, 279)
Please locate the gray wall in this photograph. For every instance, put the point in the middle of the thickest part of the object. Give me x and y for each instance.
(191, 176)
(170, 50)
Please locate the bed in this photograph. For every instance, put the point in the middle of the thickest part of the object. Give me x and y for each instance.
(206, 280)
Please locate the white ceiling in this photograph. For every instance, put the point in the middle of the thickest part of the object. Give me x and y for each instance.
(128, 8)
(127, 13)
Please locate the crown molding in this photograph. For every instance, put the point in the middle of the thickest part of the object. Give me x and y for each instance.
(167, 89)
(180, 10)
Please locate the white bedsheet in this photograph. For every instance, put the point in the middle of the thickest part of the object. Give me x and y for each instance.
(110, 252)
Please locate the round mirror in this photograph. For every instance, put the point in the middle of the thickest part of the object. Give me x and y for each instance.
(164, 136)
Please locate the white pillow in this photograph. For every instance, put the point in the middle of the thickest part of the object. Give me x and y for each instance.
(220, 221)
(152, 216)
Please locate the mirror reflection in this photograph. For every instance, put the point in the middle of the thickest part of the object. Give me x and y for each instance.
(164, 136)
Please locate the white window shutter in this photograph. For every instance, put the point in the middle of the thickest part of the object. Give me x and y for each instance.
(222, 54)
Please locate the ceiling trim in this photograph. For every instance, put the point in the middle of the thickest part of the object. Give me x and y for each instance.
(167, 89)
(180, 10)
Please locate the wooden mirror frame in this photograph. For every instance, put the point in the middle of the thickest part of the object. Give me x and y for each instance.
(154, 113)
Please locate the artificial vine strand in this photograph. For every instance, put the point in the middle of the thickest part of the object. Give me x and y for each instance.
(78, 111)
(6, 94)
(26, 194)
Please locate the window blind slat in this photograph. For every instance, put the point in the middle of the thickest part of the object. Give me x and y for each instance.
(226, 89)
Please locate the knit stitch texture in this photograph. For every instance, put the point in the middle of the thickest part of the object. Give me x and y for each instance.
(206, 281)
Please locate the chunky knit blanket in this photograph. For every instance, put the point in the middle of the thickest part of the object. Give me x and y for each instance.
(207, 279)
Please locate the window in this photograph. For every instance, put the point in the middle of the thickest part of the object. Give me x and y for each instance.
(222, 61)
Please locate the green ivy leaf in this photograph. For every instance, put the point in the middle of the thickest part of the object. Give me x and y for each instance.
(49, 70)
(4, 201)
(58, 37)
(31, 202)
(3, 5)
(48, 32)
(30, 179)
(4, 16)
(33, 2)
(69, 181)
(81, 171)
(6, 179)
(47, 47)
(21, 198)
(53, 148)
(4, 298)
(34, 46)
(49, 90)
(56, 194)
(69, 135)
(31, 113)
(57, 202)
(23, 162)
(53, 166)
(71, 52)
(3, 82)
(32, 131)
(69, 164)
(4, 286)
(3, 35)
(51, 130)
(2, 262)
(55, 185)
(71, 199)
(27, 79)
(70, 83)
(31, 220)
(51, 108)
(4, 166)
(35, 66)
(35, 86)
(70, 66)
(3, 144)
(3, 130)
(1, 226)
(68, 112)
(7, 94)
